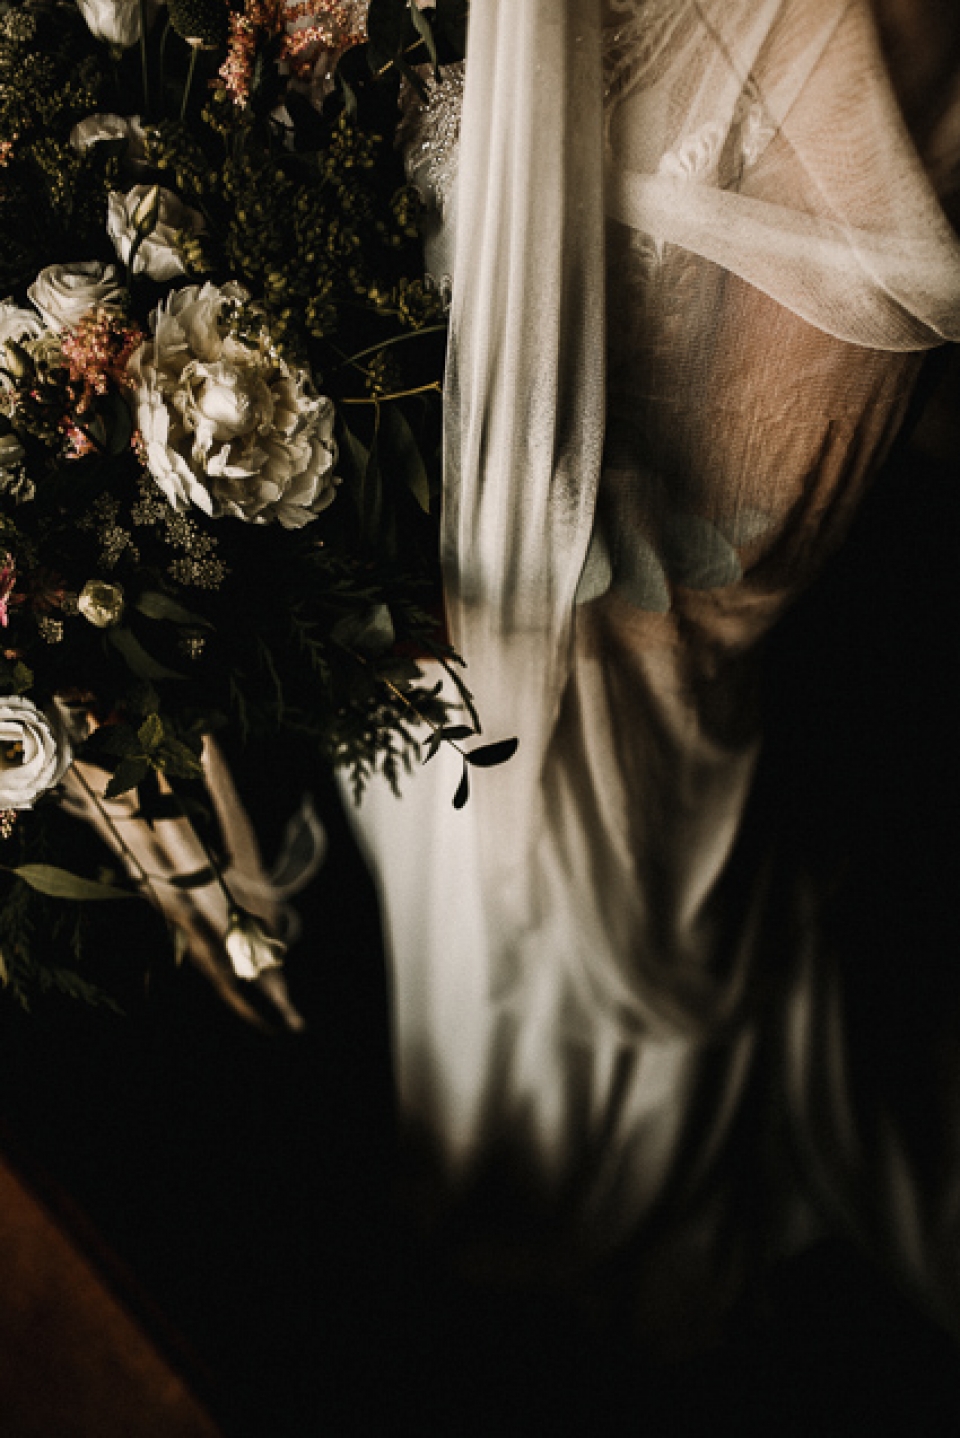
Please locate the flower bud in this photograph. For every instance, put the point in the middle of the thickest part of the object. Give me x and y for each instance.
(100, 603)
(250, 948)
(146, 211)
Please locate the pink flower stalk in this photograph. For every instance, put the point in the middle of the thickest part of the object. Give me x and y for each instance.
(8, 578)
(333, 26)
(97, 351)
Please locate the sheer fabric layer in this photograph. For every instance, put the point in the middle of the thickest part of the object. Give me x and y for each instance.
(638, 484)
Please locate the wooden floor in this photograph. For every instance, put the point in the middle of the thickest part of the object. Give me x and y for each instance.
(73, 1362)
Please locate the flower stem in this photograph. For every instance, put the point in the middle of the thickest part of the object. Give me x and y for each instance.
(433, 387)
(144, 63)
(188, 86)
(395, 340)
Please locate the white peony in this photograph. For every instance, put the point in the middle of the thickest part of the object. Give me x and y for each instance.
(18, 324)
(230, 426)
(34, 753)
(117, 22)
(159, 253)
(63, 293)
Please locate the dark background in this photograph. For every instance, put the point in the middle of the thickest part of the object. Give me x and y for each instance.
(236, 1188)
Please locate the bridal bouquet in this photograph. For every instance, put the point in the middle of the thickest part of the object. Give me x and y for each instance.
(220, 373)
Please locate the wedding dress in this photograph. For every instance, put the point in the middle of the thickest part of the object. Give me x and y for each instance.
(697, 257)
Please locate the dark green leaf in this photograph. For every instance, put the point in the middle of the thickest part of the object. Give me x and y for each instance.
(127, 775)
(156, 605)
(463, 790)
(401, 456)
(371, 632)
(490, 755)
(432, 745)
(387, 22)
(425, 30)
(119, 423)
(61, 884)
(150, 733)
(456, 731)
(139, 661)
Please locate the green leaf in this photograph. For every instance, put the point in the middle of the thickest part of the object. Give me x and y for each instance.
(371, 632)
(156, 605)
(22, 677)
(61, 884)
(463, 790)
(425, 30)
(490, 755)
(180, 760)
(120, 424)
(128, 774)
(387, 22)
(150, 733)
(402, 457)
(453, 732)
(138, 660)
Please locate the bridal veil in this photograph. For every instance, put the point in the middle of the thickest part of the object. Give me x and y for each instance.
(698, 258)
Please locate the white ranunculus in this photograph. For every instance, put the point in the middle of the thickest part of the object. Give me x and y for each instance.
(63, 293)
(34, 753)
(115, 21)
(94, 128)
(159, 254)
(228, 426)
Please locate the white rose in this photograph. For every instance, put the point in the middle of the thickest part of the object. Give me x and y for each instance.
(63, 293)
(34, 753)
(95, 128)
(117, 22)
(230, 427)
(18, 324)
(159, 254)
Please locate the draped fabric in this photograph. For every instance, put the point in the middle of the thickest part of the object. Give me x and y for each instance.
(698, 257)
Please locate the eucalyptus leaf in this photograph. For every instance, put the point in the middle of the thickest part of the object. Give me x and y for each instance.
(489, 755)
(157, 605)
(463, 789)
(59, 883)
(138, 660)
(456, 731)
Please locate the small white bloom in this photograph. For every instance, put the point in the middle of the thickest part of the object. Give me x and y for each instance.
(250, 948)
(18, 324)
(34, 753)
(63, 293)
(94, 128)
(227, 426)
(100, 603)
(159, 254)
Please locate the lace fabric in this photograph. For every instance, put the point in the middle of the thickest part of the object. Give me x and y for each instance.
(697, 260)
